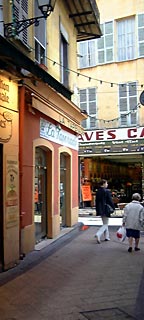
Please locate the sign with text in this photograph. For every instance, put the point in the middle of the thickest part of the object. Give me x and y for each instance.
(123, 140)
(56, 134)
(86, 193)
(12, 194)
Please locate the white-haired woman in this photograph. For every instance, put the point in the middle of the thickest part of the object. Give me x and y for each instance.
(133, 220)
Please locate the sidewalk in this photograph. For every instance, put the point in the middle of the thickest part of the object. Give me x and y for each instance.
(78, 279)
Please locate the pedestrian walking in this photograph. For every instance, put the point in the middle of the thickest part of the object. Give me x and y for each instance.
(103, 197)
(133, 220)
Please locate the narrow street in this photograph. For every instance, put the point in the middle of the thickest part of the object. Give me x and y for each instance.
(79, 280)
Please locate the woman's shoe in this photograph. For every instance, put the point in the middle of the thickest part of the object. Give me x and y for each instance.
(137, 249)
(130, 249)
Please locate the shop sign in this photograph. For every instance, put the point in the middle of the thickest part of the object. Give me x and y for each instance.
(4, 91)
(12, 213)
(112, 134)
(8, 94)
(125, 140)
(71, 125)
(56, 134)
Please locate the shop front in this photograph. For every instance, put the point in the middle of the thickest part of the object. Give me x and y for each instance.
(49, 127)
(116, 155)
(9, 173)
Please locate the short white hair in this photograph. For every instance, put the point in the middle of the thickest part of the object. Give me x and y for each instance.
(136, 196)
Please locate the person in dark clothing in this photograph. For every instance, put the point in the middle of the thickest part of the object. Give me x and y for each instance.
(103, 197)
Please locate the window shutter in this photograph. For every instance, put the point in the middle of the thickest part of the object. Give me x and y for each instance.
(141, 34)
(128, 104)
(83, 61)
(20, 12)
(88, 103)
(92, 53)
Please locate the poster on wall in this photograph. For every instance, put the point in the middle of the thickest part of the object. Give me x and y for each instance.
(12, 211)
(86, 193)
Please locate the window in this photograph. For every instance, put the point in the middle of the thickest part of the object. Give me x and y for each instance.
(128, 104)
(64, 61)
(97, 51)
(141, 35)
(40, 38)
(88, 104)
(1, 17)
(64, 56)
(126, 39)
(20, 12)
(87, 54)
(105, 43)
(130, 44)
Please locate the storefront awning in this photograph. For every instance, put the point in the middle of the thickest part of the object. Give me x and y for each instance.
(86, 18)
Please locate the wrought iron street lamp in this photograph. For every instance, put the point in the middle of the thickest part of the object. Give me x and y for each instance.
(14, 28)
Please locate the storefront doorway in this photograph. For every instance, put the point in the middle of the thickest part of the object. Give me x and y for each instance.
(1, 206)
(40, 205)
(63, 190)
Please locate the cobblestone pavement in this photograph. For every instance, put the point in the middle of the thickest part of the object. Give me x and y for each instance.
(79, 280)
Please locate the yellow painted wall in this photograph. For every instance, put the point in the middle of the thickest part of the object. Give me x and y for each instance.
(127, 71)
(60, 14)
(9, 137)
(119, 8)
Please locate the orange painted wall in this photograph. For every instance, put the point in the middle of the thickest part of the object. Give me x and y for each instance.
(31, 132)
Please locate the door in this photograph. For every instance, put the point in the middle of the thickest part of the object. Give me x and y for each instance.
(1, 206)
(63, 190)
(40, 197)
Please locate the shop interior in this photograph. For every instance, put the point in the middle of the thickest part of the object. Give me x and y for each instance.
(123, 173)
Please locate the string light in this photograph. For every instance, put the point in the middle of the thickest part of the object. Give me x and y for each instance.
(101, 81)
(134, 110)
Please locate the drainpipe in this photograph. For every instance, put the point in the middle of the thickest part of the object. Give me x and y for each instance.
(21, 135)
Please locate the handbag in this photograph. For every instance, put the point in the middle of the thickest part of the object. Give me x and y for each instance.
(109, 210)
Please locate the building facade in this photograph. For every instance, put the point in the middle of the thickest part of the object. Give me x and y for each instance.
(39, 121)
(111, 85)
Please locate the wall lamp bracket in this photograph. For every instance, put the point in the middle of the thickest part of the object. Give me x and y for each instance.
(14, 28)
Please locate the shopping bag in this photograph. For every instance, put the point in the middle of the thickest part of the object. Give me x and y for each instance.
(121, 234)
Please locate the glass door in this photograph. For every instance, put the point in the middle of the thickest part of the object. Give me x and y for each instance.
(40, 198)
(63, 190)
